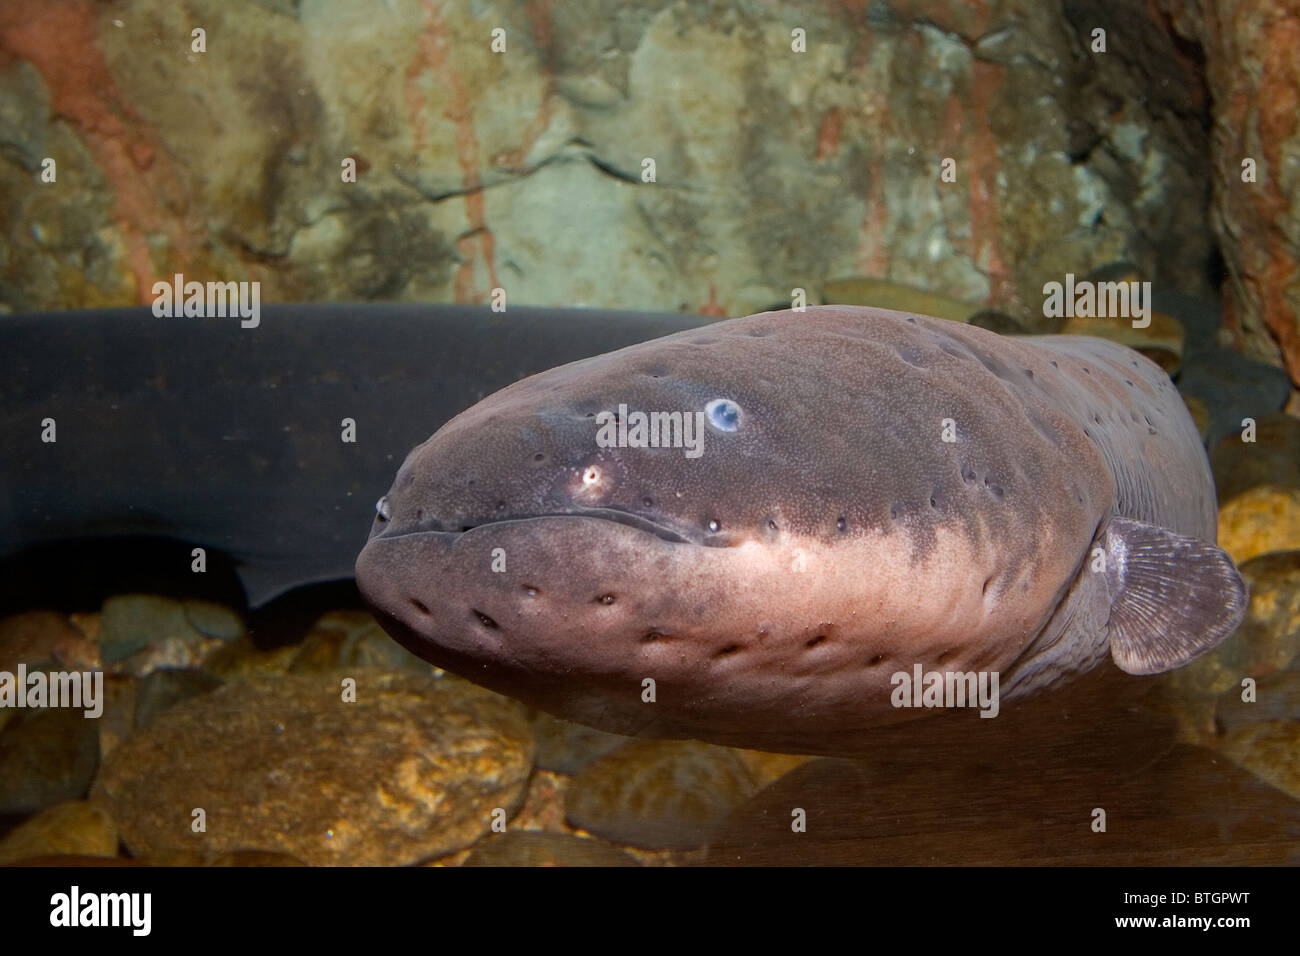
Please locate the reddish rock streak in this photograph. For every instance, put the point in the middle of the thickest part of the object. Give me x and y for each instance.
(60, 39)
(433, 55)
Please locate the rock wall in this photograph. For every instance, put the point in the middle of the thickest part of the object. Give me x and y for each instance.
(775, 166)
(1252, 53)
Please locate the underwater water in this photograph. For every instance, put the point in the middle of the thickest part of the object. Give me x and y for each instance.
(234, 300)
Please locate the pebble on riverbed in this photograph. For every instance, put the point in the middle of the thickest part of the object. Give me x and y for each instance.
(659, 794)
(412, 770)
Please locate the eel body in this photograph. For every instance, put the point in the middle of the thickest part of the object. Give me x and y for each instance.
(837, 499)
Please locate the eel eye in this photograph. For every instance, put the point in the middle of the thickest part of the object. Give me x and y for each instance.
(723, 414)
(383, 510)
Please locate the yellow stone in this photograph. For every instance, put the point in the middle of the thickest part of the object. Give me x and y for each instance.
(74, 827)
(766, 767)
(1264, 519)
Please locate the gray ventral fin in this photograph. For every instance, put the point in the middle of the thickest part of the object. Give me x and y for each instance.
(1172, 596)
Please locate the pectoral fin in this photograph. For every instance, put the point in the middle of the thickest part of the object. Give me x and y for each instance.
(1173, 597)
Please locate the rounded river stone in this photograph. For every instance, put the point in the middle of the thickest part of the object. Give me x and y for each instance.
(413, 769)
(47, 755)
(75, 827)
(659, 794)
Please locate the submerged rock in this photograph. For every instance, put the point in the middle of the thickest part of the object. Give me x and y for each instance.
(352, 639)
(243, 658)
(1115, 152)
(164, 689)
(75, 827)
(47, 755)
(1251, 51)
(141, 633)
(1233, 387)
(765, 767)
(1264, 519)
(543, 806)
(566, 747)
(659, 794)
(1276, 697)
(40, 637)
(1273, 458)
(1269, 749)
(214, 620)
(1271, 630)
(413, 769)
(130, 623)
(119, 717)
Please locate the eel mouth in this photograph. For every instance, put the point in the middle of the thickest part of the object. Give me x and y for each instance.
(627, 518)
(639, 522)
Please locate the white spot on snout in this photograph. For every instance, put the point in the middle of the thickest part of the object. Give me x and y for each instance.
(588, 483)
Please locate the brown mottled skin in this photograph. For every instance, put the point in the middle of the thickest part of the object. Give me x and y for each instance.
(772, 586)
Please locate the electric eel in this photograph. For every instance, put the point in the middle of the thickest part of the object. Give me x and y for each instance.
(746, 532)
